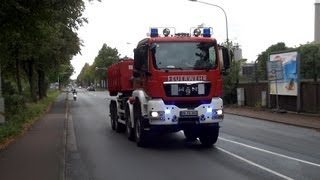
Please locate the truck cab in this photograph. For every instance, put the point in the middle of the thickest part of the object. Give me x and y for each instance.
(176, 85)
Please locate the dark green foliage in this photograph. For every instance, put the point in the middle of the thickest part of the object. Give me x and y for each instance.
(16, 120)
(14, 104)
(89, 74)
(310, 61)
(230, 82)
(309, 56)
(38, 39)
(264, 57)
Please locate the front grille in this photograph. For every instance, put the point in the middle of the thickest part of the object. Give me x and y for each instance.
(188, 120)
(187, 104)
(187, 90)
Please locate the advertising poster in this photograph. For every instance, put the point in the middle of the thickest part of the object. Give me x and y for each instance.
(288, 84)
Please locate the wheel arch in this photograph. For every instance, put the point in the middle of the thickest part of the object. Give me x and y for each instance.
(129, 107)
(141, 97)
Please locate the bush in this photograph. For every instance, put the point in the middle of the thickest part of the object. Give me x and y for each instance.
(14, 104)
(20, 115)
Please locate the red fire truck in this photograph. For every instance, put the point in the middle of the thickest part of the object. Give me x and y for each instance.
(173, 83)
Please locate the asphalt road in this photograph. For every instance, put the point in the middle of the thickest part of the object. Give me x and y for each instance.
(247, 149)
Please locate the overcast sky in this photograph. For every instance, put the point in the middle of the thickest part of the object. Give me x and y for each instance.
(253, 24)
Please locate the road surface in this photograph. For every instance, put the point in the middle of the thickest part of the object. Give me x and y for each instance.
(247, 149)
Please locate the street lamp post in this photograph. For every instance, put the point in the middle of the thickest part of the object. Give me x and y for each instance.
(225, 15)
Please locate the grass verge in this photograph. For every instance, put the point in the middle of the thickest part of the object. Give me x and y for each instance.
(18, 123)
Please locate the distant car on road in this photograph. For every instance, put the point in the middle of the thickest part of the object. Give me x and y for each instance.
(91, 88)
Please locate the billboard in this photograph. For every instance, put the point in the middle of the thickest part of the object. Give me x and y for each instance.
(288, 84)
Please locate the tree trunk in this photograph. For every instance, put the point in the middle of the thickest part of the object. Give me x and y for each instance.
(18, 76)
(31, 78)
(41, 83)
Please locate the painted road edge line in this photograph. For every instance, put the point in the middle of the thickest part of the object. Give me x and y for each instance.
(255, 164)
(270, 152)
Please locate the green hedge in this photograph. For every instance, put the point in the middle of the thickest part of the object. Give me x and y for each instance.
(18, 113)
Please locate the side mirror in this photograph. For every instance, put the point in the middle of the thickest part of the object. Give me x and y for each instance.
(225, 60)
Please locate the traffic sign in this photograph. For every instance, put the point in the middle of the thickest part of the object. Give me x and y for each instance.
(274, 70)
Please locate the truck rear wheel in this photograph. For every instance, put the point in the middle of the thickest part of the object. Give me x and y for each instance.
(113, 115)
(115, 124)
(129, 129)
(209, 136)
(140, 133)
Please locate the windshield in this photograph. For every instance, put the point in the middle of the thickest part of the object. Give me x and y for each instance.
(184, 55)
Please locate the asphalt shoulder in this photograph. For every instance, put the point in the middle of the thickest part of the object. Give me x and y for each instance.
(292, 118)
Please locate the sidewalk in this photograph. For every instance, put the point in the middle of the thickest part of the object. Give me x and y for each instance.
(293, 118)
(39, 153)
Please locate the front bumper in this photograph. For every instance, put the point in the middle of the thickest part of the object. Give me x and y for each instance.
(211, 113)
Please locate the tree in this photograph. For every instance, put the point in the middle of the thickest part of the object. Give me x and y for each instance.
(264, 57)
(231, 81)
(104, 59)
(86, 77)
(310, 60)
(36, 36)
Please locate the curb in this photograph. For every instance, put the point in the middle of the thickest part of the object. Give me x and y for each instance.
(277, 121)
(62, 174)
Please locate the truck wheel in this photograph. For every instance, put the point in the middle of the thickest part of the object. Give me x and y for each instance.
(113, 115)
(140, 133)
(209, 136)
(118, 126)
(115, 124)
(190, 134)
(129, 129)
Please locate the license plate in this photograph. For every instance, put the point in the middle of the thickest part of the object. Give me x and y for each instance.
(188, 113)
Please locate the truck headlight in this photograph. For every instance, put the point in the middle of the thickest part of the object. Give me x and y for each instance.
(157, 114)
(217, 114)
(154, 114)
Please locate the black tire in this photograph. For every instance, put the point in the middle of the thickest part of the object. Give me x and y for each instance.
(209, 136)
(129, 129)
(115, 124)
(139, 132)
(120, 128)
(113, 115)
(190, 134)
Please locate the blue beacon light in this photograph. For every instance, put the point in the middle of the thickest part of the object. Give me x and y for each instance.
(154, 32)
(207, 32)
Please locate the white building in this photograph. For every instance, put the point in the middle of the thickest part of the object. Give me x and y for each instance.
(317, 22)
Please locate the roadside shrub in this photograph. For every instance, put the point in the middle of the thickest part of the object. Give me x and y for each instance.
(20, 115)
(14, 104)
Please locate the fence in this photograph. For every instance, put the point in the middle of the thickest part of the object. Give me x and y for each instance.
(310, 97)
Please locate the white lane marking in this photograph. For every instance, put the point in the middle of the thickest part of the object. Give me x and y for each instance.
(270, 152)
(255, 164)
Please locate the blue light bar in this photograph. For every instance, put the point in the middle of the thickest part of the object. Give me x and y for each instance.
(207, 32)
(154, 32)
